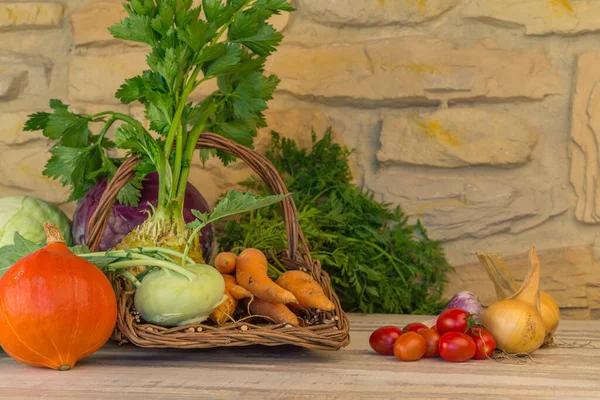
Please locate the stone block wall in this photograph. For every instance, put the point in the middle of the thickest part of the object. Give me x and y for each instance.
(480, 117)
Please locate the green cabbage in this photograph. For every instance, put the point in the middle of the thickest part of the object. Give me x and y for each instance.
(26, 215)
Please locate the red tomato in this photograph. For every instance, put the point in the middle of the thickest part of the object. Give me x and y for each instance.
(410, 346)
(414, 327)
(453, 320)
(433, 342)
(457, 347)
(485, 342)
(382, 340)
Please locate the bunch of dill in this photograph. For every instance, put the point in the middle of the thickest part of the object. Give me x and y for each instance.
(378, 262)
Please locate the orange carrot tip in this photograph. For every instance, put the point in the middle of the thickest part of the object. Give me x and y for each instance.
(225, 262)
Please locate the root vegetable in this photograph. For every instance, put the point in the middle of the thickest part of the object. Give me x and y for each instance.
(506, 285)
(279, 313)
(308, 292)
(251, 274)
(516, 322)
(225, 311)
(225, 262)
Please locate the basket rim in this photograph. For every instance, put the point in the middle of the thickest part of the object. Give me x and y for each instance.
(296, 256)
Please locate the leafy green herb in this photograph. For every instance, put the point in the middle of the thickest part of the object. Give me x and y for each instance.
(378, 262)
(233, 203)
(189, 45)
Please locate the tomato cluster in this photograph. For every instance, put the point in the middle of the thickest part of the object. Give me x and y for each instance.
(453, 337)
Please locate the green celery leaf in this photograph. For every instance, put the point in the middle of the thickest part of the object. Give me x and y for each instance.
(136, 28)
(108, 169)
(58, 105)
(239, 131)
(216, 12)
(143, 7)
(72, 166)
(130, 194)
(251, 94)
(195, 34)
(246, 24)
(186, 14)
(164, 19)
(37, 121)
(73, 128)
(263, 42)
(132, 90)
(235, 203)
(228, 62)
(209, 53)
(275, 5)
(139, 142)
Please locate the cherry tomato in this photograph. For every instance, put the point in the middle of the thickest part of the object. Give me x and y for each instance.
(433, 343)
(414, 327)
(457, 347)
(410, 346)
(484, 341)
(382, 339)
(453, 320)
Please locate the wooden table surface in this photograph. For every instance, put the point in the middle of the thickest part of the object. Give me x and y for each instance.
(128, 372)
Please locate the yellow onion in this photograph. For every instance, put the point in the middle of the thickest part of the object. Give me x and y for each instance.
(516, 322)
(505, 286)
(550, 314)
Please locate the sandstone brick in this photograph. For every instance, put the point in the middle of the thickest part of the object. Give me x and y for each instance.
(21, 73)
(585, 133)
(11, 129)
(454, 207)
(539, 17)
(374, 12)
(96, 79)
(91, 21)
(12, 83)
(570, 275)
(21, 168)
(412, 71)
(15, 15)
(456, 137)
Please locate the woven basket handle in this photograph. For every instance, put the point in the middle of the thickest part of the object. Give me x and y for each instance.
(258, 163)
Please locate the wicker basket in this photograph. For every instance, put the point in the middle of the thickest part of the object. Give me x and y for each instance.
(324, 330)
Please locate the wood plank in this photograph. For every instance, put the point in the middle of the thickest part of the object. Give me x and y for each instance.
(286, 373)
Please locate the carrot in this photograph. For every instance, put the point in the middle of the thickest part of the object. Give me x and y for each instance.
(308, 292)
(225, 262)
(251, 274)
(238, 292)
(234, 293)
(277, 312)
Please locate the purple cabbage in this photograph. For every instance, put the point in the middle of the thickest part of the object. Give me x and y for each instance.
(123, 219)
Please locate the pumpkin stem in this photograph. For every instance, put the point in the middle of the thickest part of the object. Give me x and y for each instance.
(53, 234)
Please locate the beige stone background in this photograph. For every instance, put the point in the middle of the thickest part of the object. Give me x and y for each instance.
(480, 117)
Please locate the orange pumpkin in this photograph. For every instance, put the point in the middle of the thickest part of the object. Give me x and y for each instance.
(55, 307)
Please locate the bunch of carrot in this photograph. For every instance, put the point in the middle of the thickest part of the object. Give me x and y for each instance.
(246, 280)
